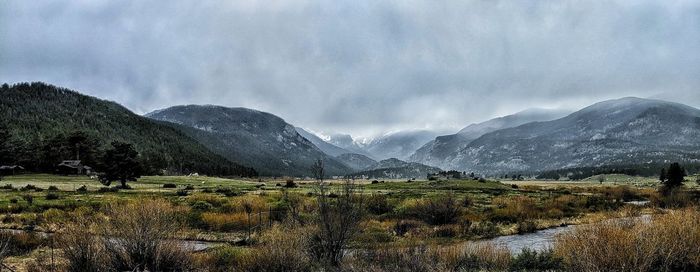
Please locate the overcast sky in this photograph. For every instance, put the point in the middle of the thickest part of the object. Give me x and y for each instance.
(358, 67)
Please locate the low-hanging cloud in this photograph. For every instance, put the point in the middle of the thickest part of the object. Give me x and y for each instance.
(360, 67)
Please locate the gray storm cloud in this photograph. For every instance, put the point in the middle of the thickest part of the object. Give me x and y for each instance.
(359, 67)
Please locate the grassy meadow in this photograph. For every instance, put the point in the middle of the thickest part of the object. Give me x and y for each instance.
(245, 221)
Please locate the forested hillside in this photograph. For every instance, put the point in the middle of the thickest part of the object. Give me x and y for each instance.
(262, 140)
(41, 119)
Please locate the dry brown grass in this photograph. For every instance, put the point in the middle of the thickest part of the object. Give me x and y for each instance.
(668, 243)
(282, 248)
(141, 237)
(467, 257)
(83, 250)
(226, 221)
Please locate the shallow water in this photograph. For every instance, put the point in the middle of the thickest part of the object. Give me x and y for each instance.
(543, 239)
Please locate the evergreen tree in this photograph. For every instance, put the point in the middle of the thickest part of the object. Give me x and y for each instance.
(120, 163)
(674, 176)
(83, 147)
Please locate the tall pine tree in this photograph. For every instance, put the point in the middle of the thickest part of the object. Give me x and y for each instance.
(120, 163)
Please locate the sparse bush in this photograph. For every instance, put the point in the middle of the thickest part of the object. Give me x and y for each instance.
(484, 229)
(28, 187)
(378, 204)
(290, 184)
(672, 198)
(169, 185)
(53, 188)
(202, 206)
(403, 227)
(52, 196)
(439, 210)
(189, 187)
(530, 260)
(225, 258)
(214, 200)
(226, 191)
(7, 187)
(142, 237)
(181, 192)
(28, 198)
(84, 251)
(526, 226)
(373, 233)
(512, 209)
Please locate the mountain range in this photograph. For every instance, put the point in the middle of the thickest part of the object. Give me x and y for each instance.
(438, 150)
(238, 141)
(259, 139)
(621, 131)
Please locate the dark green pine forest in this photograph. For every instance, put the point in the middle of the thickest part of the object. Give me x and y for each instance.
(45, 124)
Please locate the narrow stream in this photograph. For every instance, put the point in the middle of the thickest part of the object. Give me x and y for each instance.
(543, 239)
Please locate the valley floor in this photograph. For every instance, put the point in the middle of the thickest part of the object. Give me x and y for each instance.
(397, 213)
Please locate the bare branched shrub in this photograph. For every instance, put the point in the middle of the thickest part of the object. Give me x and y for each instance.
(440, 210)
(141, 237)
(337, 220)
(82, 248)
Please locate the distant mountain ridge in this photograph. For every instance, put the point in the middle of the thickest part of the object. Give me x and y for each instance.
(261, 139)
(438, 150)
(326, 147)
(611, 132)
(397, 169)
(399, 144)
(356, 161)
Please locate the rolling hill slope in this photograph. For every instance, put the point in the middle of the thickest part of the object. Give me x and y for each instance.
(36, 112)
